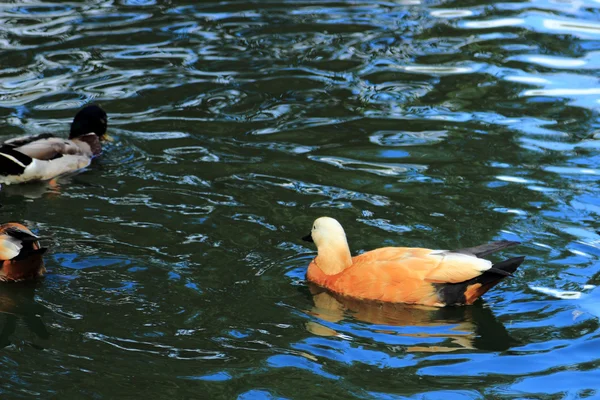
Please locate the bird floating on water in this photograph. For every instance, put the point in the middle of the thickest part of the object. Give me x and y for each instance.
(20, 253)
(43, 157)
(403, 274)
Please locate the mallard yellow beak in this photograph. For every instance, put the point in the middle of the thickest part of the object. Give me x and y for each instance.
(107, 138)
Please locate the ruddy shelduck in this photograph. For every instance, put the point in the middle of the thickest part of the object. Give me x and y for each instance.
(404, 274)
(20, 253)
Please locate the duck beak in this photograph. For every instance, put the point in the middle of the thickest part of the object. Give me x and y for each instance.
(308, 238)
(107, 137)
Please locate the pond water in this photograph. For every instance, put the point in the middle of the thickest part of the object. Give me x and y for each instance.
(176, 269)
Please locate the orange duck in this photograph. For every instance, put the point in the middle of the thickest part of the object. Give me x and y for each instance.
(20, 253)
(404, 274)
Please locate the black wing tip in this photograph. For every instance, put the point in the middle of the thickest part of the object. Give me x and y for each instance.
(21, 234)
(8, 165)
(514, 260)
(27, 253)
(40, 251)
(499, 271)
(508, 266)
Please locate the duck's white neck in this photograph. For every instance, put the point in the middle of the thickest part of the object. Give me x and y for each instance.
(334, 257)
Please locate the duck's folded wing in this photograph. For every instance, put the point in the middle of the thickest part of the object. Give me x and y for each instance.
(456, 267)
(49, 148)
(13, 239)
(23, 140)
(434, 266)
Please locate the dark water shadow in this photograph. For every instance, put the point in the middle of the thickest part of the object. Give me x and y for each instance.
(17, 303)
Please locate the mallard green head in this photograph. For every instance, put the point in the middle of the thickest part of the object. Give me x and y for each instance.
(90, 119)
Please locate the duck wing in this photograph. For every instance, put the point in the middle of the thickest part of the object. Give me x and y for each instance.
(443, 266)
(23, 140)
(49, 148)
(438, 266)
(456, 267)
(18, 242)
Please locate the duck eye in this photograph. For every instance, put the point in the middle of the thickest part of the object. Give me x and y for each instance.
(314, 227)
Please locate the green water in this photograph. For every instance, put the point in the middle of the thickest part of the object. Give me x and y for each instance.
(176, 269)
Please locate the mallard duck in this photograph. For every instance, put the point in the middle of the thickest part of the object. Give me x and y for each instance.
(20, 253)
(404, 275)
(43, 157)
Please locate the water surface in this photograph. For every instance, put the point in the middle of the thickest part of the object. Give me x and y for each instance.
(176, 268)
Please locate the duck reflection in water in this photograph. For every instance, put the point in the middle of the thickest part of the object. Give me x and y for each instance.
(17, 303)
(35, 190)
(466, 327)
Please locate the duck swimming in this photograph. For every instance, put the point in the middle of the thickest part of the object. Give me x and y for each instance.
(43, 157)
(20, 253)
(403, 274)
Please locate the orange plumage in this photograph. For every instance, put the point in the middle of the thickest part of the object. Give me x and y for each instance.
(404, 275)
(20, 253)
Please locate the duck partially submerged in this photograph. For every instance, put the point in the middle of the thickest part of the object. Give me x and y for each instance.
(43, 157)
(20, 253)
(404, 275)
